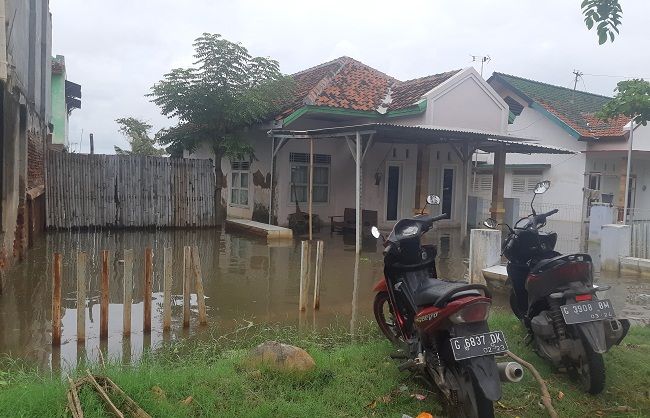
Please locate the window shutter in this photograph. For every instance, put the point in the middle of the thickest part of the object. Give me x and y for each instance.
(518, 184)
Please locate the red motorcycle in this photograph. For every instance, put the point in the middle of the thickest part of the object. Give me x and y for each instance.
(441, 325)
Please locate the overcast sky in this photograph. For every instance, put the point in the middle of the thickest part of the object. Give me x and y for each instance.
(118, 49)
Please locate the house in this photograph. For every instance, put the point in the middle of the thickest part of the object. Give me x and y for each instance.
(66, 97)
(564, 117)
(412, 138)
(25, 73)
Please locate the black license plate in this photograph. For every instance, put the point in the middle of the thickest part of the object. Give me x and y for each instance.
(593, 310)
(478, 345)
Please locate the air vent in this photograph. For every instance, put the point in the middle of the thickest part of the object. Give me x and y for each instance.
(240, 165)
(299, 157)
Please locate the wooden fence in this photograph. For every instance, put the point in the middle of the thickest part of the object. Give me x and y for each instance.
(129, 191)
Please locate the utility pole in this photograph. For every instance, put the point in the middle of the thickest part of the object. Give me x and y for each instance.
(577, 74)
(92, 145)
(627, 172)
(483, 58)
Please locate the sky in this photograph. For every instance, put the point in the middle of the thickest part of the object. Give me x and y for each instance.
(118, 49)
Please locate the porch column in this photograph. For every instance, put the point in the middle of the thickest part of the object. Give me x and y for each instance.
(422, 176)
(497, 209)
(622, 189)
(467, 173)
(358, 160)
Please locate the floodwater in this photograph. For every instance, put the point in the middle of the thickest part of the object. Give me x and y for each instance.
(245, 281)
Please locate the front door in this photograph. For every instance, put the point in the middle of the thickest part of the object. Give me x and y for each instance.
(392, 192)
(447, 190)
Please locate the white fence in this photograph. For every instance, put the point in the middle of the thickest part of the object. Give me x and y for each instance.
(639, 219)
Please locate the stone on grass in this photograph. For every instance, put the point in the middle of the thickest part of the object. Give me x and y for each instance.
(281, 357)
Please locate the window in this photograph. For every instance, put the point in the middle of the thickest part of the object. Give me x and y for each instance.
(594, 181)
(239, 182)
(525, 183)
(300, 177)
(483, 183)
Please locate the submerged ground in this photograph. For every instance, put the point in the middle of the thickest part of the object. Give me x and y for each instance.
(354, 377)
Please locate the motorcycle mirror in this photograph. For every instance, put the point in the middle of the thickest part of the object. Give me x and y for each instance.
(542, 186)
(490, 223)
(375, 232)
(432, 199)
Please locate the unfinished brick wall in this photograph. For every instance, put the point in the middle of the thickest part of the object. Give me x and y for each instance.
(35, 160)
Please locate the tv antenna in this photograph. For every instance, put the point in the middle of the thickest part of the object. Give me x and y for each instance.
(577, 75)
(484, 59)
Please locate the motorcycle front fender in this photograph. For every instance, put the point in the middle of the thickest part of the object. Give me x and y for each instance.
(381, 286)
(593, 333)
(486, 374)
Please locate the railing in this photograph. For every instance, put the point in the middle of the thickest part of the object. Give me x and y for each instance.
(639, 220)
(567, 223)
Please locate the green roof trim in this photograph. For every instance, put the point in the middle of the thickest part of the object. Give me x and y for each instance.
(511, 117)
(313, 109)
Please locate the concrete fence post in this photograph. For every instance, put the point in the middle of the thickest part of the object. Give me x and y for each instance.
(484, 251)
(615, 241)
(600, 215)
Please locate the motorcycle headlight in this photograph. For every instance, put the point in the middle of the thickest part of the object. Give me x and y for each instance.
(410, 230)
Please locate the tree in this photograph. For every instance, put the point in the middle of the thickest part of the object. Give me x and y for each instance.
(606, 14)
(226, 91)
(632, 100)
(137, 133)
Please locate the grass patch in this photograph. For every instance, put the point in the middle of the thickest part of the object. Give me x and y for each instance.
(352, 379)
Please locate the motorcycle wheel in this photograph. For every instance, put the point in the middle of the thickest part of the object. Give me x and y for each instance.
(591, 371)
(385, 318)
(514, 305)
(470, 400)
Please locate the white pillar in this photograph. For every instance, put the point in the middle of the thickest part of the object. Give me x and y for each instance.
(615, 240)
(358, 187)
(484, 251)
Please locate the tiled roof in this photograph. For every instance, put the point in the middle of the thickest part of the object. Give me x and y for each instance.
(573, 107)
(349, 84)
(408, 92)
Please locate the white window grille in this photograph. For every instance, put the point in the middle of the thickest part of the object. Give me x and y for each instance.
(525, 183)
(483, 184)
(299, 163)
(239, 179)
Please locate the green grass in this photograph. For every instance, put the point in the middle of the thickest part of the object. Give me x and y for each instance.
(352, 379)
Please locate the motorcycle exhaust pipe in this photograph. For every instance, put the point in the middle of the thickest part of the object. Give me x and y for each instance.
(510, 371)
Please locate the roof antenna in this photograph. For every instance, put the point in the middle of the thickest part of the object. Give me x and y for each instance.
(578, 75)
(483, 58)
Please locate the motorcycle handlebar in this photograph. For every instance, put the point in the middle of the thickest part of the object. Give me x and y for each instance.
(549, 213)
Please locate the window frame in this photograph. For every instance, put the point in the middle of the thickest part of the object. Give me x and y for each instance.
(529, 186)
(327, 165)
(236, 168)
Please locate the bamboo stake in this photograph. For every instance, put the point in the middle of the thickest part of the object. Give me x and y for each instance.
(167, 289)
(128, 292)
(187, 277)
(198, 283)
(56, 300)
(103, 308)
(317, 274)
(148, 273)
(304, 261)
(81, 296)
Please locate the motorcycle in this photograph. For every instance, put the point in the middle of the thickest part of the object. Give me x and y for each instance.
(555, 298)
(441, 325)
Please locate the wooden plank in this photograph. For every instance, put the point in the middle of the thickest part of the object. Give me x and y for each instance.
(103, 308)
(56, 299)
(198, 282)
(304, 260)
(148, 276)
(187, 277)
(318, 273)
(81, 296)
(167, 288)
(128, 292)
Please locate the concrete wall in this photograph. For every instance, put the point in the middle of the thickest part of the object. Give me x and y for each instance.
(25, 116)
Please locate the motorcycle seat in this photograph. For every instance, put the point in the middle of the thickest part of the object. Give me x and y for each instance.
(432, 291)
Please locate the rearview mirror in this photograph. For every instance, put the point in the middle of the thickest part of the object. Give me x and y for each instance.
(542, 186)
(432, 199)
(490, 223)
(375, 232)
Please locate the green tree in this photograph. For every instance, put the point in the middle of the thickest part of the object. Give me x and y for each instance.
(137, 133)
(605, 14)
(216, 100)
(632, 99)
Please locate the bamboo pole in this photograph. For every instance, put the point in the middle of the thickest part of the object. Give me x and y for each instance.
(304, 261)
(311, 186)
(167, 289)
(56, 300)
(187, 277)
(317, 274)
(81, 296)
(103, 308)
(198, 283)
(148, 273)
(128, 292)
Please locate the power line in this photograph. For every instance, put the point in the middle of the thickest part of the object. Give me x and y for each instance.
(483, 58)
(614, 76)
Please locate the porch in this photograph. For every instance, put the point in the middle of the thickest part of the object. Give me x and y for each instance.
(405, 163)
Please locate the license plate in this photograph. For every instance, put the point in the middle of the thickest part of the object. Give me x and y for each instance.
(593, 310)
(478, 345)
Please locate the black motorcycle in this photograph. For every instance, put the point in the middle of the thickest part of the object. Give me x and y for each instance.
(443, 325)
(555, 298)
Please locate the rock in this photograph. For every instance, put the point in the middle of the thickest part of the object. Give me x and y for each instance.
(282, 357)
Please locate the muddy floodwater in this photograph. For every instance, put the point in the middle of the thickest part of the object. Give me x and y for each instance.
(245, 280)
